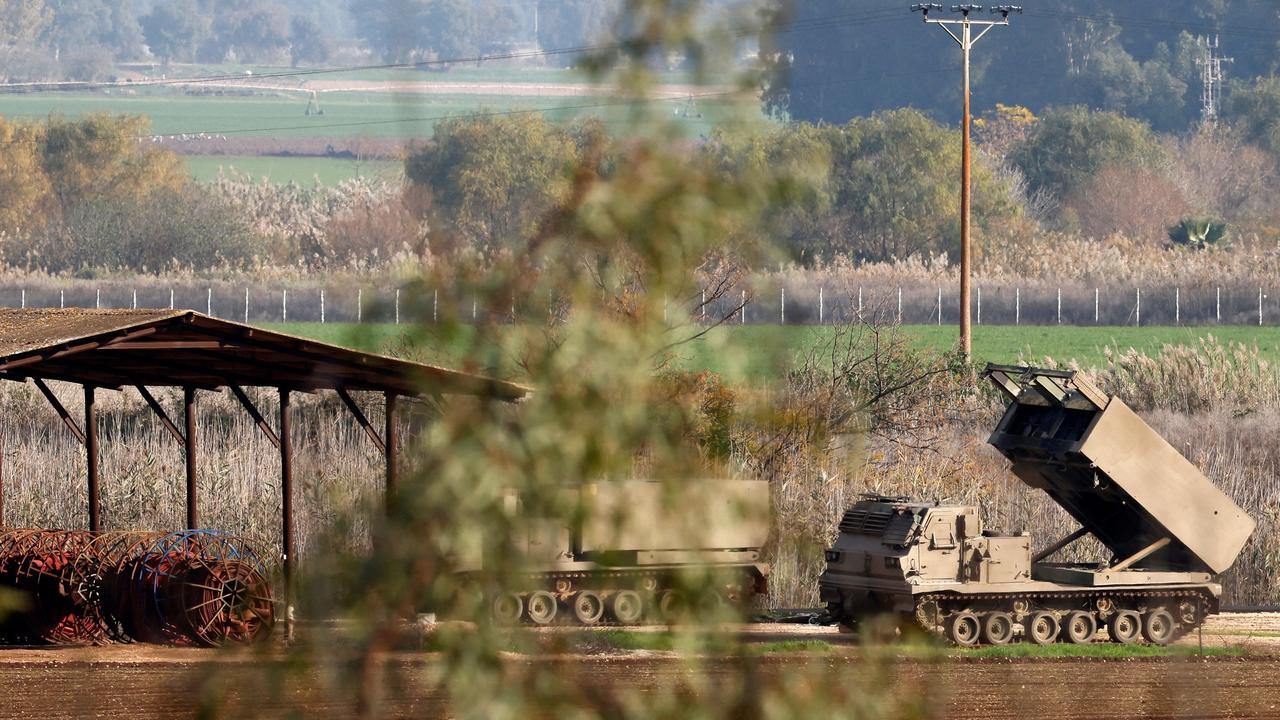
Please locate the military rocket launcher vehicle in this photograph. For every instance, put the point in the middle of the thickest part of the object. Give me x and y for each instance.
(1169, 531)
(621, 562)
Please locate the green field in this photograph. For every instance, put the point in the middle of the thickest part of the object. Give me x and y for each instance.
(762, 352)
(346, 114)
(304, 171)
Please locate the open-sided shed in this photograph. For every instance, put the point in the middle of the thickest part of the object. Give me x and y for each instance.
(114, 349)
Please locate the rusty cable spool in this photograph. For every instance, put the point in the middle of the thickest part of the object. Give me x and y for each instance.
(205, 588)
(193, 587)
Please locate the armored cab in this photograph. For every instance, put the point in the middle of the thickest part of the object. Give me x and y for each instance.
(1167, 528)
(620, 564)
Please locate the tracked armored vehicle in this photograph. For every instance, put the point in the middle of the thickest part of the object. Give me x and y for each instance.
(1167, 528)
(621, 564)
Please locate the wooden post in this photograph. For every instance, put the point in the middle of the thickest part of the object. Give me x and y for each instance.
(392, 441)
(286, 506)
(91, 457)
(189, 438)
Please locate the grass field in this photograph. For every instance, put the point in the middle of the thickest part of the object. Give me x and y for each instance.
(762, 352)
(346, 114)
(304, 171)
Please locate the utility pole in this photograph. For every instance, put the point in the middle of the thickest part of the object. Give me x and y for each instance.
(1211, 78)
(967, 40)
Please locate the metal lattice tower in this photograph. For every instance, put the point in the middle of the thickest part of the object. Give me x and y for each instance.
(1212, 76)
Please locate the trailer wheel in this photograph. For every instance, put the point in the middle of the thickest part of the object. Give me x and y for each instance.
(1079, 628)
(1158, 626)
(672, 605)
(588, 607)
(1124, 627)
(506, 608)
(997, 628)
(626, 607)
(542, 607)
(963, 629)
(1040, 628)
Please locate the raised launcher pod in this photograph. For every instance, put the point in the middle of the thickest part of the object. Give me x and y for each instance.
(1156, 512)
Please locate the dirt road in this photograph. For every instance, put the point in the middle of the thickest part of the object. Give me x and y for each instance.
(138, 682)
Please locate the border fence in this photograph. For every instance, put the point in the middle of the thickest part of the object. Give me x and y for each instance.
(763, 303)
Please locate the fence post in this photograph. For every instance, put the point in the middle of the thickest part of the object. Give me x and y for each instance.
(859, 303)
(1218, 306)
(899, 305)
(24, 298)
(939, 307)
(1095, 306)
(97, 298)
(435, 306)
(1017, 306)
(62, 298)
(821, 308)
(170, 298)
(397, 306)
(359, 305)
(208, 303)
(246, 305)
(474, 307)
(1059, 306)
(321, 306)
(702, 309)
(743, 311)
(1177, 306)
(979, 306)
(1137, 309)
(134, 306)
(284, 305)
(784, 306)
(1259, 307)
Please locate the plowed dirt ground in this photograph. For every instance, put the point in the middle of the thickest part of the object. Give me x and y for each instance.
(137, 682)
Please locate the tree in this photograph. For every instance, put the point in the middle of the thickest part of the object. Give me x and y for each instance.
(405, 30)
(23, 21)
(99, 156)
(575, 24)
(307, 42)
(1134, 201)
(81, 24)
(1070, 145)
(1254, 111)
(173, 29)
(23, 185)
(492, 178)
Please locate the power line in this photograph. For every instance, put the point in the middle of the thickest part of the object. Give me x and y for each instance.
(801, 25)
(496, 113)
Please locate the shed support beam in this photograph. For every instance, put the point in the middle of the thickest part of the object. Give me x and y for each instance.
(286, 506)
(158, 409)
(62, 411)
(91, 457)
(390, 449)
(360, 418)
(189, 411)
(260, 421)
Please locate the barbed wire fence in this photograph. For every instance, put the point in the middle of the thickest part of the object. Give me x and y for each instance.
(759, 304)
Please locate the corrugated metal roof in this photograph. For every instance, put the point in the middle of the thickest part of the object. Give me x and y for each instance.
(114, 348)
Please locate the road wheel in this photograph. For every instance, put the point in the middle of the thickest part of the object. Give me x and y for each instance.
(1158, 626)
(626, 607)
(963, 629)
(541, 607)
(1040, 628)
(507, 608)
(1079, 628)
(671, 605)
(588, 607)
(997, 628)
(1124, 627)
